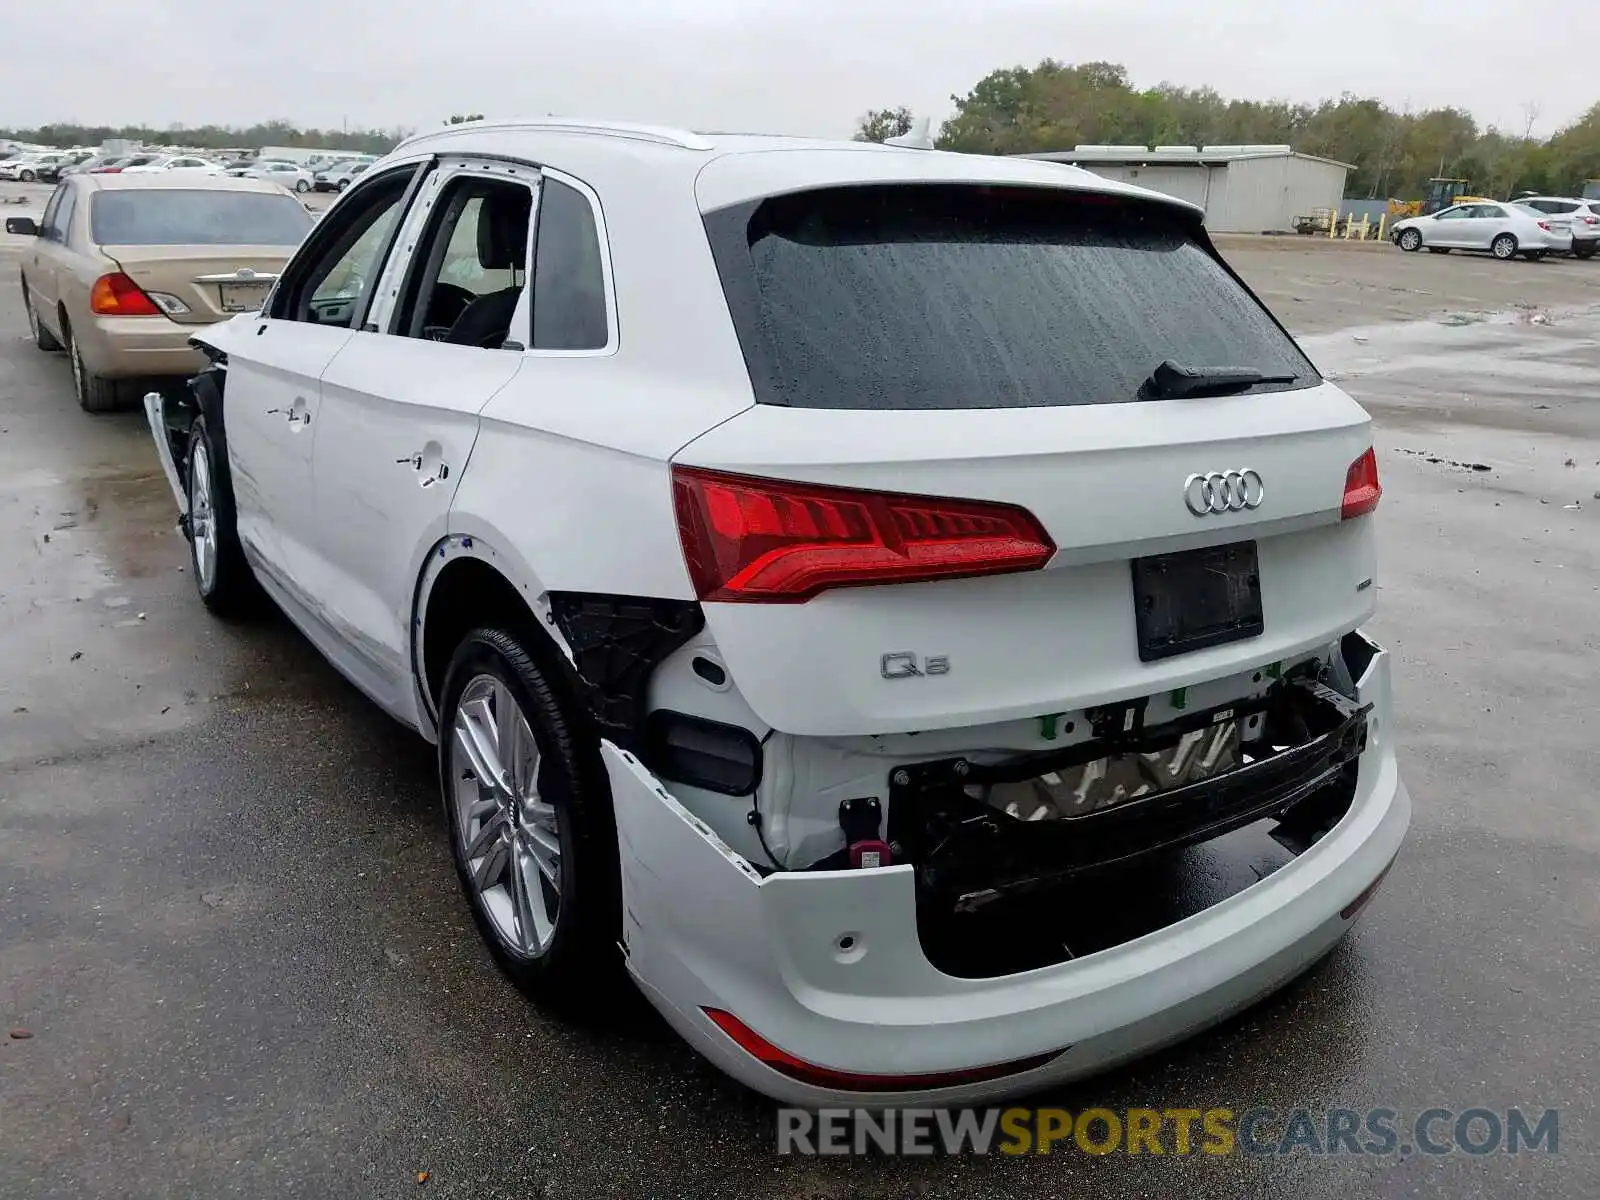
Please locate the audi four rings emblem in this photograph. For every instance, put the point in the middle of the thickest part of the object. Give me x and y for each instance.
(1223, 491)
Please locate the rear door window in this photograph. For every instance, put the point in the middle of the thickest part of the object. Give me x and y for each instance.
(964, 296)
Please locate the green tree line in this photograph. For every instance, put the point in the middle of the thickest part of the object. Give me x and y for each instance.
(216, 137)
(1056, 106)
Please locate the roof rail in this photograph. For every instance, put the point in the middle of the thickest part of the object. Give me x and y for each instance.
(664, 135)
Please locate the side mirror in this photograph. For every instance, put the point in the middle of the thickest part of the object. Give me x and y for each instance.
(22, 226)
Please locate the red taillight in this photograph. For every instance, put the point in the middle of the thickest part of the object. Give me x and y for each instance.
(749, 539)
(1545, 225)
(781, 1061)
(1591, 220)
(1362, 491)
(116, 295)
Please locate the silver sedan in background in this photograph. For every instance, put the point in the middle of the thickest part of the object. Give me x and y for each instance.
(1504, 230)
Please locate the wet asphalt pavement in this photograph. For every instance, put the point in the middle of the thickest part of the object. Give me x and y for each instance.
(229, 920)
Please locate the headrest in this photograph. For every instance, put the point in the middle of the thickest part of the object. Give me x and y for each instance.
(503, 228)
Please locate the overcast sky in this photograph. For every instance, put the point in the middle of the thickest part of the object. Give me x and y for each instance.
(793, 66)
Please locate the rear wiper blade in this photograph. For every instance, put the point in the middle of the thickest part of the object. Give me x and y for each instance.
(1174, 381)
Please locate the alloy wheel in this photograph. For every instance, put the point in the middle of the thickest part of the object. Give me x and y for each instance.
(202, 518)
(510, 836)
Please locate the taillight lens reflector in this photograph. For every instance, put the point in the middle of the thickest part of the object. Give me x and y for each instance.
(1362, 491)
(116, 295)
(766, 540)
(785, 1063)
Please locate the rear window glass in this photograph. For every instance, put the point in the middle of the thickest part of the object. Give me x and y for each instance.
(180, 217)
(942, 297)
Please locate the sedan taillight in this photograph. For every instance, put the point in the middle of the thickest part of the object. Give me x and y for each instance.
(749, 539)
(115, 295)
(1545, 225)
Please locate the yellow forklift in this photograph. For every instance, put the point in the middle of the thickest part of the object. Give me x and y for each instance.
(1442, 193)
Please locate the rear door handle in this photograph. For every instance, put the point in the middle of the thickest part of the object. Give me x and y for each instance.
(441, 470)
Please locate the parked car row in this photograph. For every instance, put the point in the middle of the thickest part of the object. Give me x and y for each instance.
(1530, 226)
(52, 166)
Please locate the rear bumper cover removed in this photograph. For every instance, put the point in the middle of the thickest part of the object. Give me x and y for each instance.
(828, 965)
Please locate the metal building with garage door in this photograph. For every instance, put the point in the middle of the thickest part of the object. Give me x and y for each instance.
(1243, 189)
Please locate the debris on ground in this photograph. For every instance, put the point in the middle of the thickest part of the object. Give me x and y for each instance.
(21, 1035)
(76, 655)
(1445, 462)
(422, 1177)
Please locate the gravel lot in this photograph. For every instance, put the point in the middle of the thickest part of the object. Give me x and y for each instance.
(229, 921)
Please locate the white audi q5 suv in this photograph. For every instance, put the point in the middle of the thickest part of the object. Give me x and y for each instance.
(837, 579)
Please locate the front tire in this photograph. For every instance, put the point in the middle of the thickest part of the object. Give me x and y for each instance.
(95, 395)
(1504, 247)
(531, 825)
(221, 575)
(27, 177)
(1410, 241)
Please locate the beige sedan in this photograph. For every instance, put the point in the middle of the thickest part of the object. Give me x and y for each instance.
(122, 269)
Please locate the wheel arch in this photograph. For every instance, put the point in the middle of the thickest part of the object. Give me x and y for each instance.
(467, 580)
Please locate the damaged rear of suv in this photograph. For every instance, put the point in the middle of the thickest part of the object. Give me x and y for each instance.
(1041, 557)
(910, 602)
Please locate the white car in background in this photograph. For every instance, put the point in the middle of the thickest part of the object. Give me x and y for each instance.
(1504, 230)
(1581, 217)
(286, 174)
(26, 168)
(812, 651)
(176, 162)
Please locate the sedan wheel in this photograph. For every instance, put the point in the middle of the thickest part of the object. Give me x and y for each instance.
(1504, 246)
(27, 177)
(510, 836)
(1410, 240)
(300, 185)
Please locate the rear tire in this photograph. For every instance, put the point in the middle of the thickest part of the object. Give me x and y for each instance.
(301, 186)
(1438, 249)
(42, 337)
(27, 177)
(95, 395)
(1504, 247)
(1409, 240)
(221, 575)
(545, 827)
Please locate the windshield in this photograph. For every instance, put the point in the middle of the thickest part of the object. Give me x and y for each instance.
(938, 297)
(173, 217)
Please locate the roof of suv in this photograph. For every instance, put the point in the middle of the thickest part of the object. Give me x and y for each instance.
(728, 168)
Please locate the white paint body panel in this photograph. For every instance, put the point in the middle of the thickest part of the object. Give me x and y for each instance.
(272, 422)
(1107, 482)
(396, 412)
